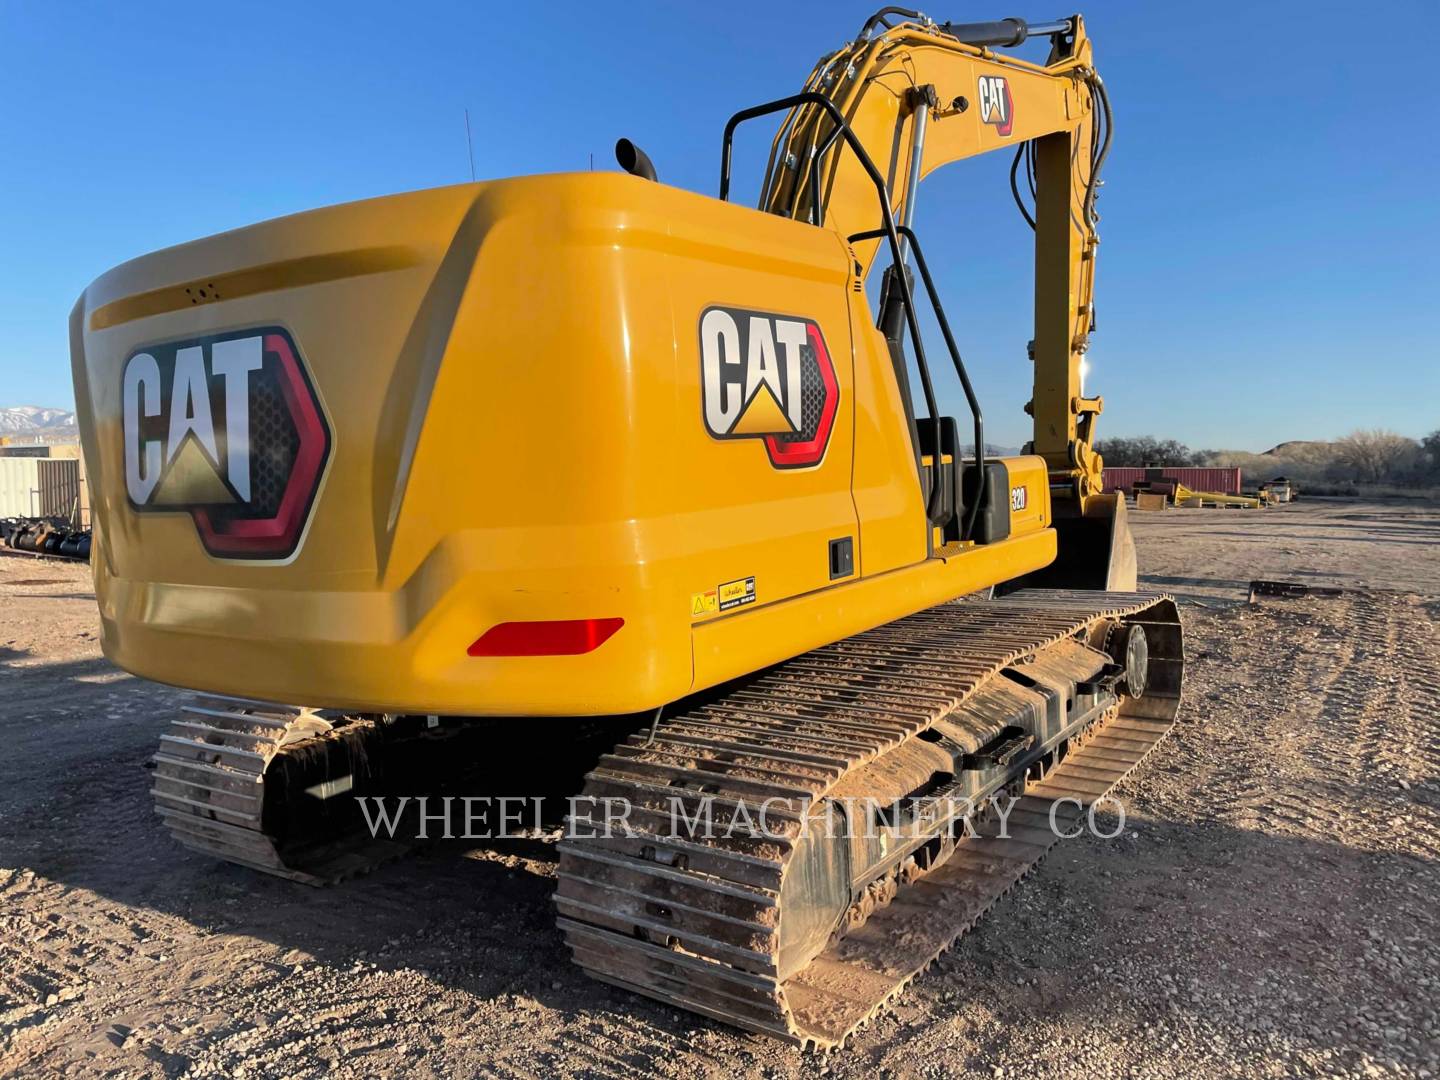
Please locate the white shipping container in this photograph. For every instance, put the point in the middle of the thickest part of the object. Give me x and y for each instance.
(19, 486)
(42, 487)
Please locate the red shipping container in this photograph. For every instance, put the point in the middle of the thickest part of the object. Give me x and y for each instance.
(1222, 481)
(1122, 479)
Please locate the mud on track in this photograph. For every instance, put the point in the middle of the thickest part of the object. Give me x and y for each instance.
(1269, 909)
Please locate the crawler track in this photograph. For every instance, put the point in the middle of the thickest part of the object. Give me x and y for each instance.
(695, 920)
(214, 776)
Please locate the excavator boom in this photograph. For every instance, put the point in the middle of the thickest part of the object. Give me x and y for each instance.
(919, 96)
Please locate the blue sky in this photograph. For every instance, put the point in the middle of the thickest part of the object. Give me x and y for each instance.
(1270, 264)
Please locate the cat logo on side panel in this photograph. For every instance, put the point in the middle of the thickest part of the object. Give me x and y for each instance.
(768, 377)
(229, 430)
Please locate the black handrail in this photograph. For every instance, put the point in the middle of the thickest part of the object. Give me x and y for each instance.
(818, 156)
(970, 397)
(842, 129)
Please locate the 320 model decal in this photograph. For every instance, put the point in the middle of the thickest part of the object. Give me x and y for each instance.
(769, 377)
(227, 429)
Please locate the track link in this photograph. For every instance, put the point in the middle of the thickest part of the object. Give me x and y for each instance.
(210, 786)
(694, 921)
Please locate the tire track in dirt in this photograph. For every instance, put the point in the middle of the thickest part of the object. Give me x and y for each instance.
(1262, 660)
(1385, 708)
(1300, 668)
(1341, 699)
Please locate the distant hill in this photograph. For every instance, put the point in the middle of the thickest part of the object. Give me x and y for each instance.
(991, 450)
(1300, 448)
(36, 420)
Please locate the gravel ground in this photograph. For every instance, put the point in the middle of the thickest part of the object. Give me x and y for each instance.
(1269, 909)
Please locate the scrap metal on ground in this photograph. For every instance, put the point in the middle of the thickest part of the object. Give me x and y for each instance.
(45, 536)
(1290, 589)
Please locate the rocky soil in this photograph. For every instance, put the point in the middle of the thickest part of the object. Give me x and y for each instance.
(1268, 910)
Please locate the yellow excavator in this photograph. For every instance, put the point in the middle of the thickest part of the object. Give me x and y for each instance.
(432, 478)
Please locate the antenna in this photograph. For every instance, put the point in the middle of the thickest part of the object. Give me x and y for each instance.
(469, 146)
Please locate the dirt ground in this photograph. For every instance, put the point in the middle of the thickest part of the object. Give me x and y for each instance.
(1269, 910)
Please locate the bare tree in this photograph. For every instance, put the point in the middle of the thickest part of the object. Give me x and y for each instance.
(1146, 450)
(1376, 456)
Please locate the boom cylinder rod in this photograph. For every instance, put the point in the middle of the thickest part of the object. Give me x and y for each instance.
(912, 187)
(1006, 33)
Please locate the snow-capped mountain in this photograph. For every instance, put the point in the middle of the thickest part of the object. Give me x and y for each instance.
(32, 419)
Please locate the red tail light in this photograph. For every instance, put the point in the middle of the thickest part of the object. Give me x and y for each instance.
(563, 637)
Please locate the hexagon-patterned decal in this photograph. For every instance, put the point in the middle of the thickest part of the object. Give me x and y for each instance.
(768, 377)
(227, 429)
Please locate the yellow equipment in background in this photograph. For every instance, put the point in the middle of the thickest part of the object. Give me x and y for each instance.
(1153, 495)
(1185, 497)
(580, 445)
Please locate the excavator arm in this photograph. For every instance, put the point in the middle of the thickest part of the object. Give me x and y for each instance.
(918, 95)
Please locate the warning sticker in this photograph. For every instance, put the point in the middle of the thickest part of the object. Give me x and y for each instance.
(703, 603)
(735, 594)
